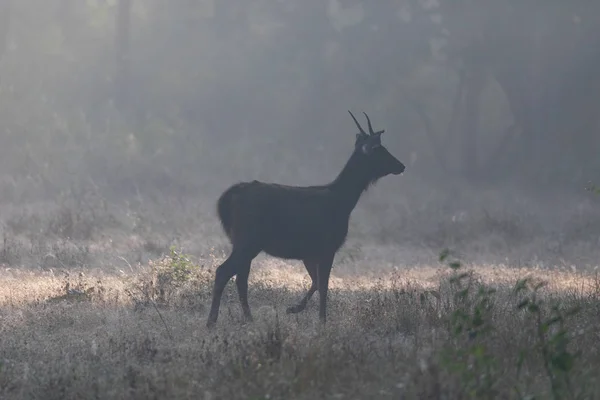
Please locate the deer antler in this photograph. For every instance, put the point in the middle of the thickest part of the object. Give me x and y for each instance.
(371, 128)
(362, 131)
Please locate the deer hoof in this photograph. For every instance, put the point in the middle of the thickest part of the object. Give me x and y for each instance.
(294, 309)
(210, 324)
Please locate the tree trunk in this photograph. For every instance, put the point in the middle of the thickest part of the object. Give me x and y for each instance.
(475, 80)
(66, 19)
(122, 45)
(5, 12)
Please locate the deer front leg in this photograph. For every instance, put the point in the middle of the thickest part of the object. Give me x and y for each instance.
(323, 272)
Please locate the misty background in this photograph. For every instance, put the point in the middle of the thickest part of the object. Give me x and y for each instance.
(122, 122)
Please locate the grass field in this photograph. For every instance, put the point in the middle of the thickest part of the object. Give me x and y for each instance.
(94, 304)
(142, 335)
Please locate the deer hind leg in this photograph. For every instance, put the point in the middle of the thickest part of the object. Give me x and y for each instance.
(311, 267)
(236, 262)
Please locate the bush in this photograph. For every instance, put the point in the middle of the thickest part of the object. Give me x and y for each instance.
(173, 280)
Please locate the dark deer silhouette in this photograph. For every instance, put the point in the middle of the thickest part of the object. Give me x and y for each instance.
(301, 223)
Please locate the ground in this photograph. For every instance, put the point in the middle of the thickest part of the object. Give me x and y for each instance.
(95, 304)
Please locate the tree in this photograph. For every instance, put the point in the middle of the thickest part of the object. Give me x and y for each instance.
(122, 48)
(5, 13)
(545, 56)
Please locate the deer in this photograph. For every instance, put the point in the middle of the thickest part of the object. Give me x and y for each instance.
(305, 223)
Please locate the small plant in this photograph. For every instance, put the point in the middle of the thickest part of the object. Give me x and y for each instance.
(466, 355)
(552, 338)
(173, 277)
(176, 268)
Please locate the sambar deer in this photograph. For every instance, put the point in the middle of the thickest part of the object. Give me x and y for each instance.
(303, 223)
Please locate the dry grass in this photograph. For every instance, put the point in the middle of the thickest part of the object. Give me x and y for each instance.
(142, 335)
(84, 314)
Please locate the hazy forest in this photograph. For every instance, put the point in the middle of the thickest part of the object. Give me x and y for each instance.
(474, 275)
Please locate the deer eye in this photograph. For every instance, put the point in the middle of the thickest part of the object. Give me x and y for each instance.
(368, 148)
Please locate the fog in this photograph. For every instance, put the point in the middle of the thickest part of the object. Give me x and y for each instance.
(122, 122)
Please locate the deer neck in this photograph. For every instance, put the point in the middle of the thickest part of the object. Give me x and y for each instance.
(351, 183)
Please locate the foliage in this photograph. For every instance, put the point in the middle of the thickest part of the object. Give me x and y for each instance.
(553, 335)
(170, 276)
(175, 269)
(592, 187)
(469, 324)
(471, 329)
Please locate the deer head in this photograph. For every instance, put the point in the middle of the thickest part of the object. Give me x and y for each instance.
(374, 155)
